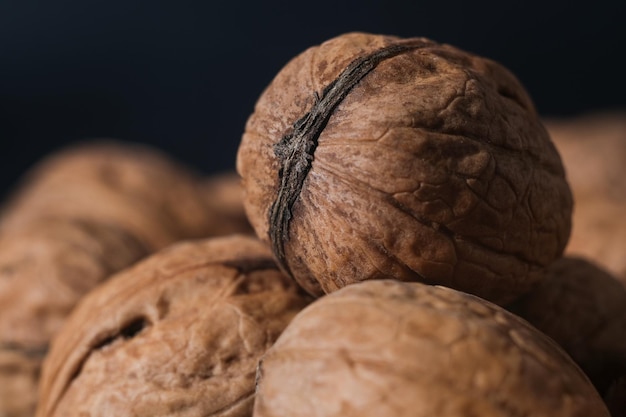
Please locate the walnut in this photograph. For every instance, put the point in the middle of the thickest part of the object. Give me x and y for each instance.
(583, 308)
(44, 270)
(389, 348)
(179, 333)
(132, 186)
(593, 148)
(19, 373)
(372, 156)
(79, 216)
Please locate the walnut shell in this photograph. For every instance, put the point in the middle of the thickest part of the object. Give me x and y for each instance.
(372, 157)
(583, 308)
(80, 215)
(132, 186)
(45, 269)
(593, 148)
(179, 333)
(19, 374)
(388, 348)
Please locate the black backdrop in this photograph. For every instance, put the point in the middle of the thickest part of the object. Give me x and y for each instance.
(184, 75)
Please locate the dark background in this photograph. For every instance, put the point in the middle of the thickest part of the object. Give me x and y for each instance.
(184, 75)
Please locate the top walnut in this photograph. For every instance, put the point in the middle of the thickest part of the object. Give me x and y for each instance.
(373, 156)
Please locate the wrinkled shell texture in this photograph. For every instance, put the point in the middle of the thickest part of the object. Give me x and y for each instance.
(434, 167)
(593, 148)
(583, 308)
(79, 216)
(178, 334)
(388, 348)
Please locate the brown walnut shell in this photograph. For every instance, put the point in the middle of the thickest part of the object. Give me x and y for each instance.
(583, 308)
(372, 156)
(44, 270)
(19, 374)
(80, 215)
(593, 148)
(389, 348)
(134, 187)
(179, 333)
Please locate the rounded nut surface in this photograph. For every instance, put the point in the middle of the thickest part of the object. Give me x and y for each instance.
(135, 187)
(388, 348)
(373, 157)
(45, 269)
(79, 215)
(179, 333)
(583, 308)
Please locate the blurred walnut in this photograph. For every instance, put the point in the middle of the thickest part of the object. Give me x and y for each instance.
(223, 197)
(180, 333)
(131, 186)
(373, 156)
(593, 148)
(79, 216)
(19, 374)
(387, 348)
(583, 308)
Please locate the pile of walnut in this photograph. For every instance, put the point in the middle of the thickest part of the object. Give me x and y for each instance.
(411, 215)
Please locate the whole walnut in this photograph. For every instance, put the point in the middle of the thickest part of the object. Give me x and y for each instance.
(593, 148)
(389, 348)
(373, 156)
(583, 308)
(179, 333)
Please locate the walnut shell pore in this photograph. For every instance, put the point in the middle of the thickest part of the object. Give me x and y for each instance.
(432, 167)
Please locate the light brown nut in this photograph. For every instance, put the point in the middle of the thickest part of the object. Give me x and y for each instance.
(388, 348)
(372, 156)
(223, 196)
(80, 215)
(180, 333)
(45, 269)
(132, 186)
(583, 308)
(19, 373)
(593, 148)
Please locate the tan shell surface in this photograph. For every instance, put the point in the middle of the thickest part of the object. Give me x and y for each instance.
(179, 333)
(47, 268)
(388, 348)
(80, 215)
(133, 186)
(593, 148)
(433, 168)
(583, 308)
(19, 374)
